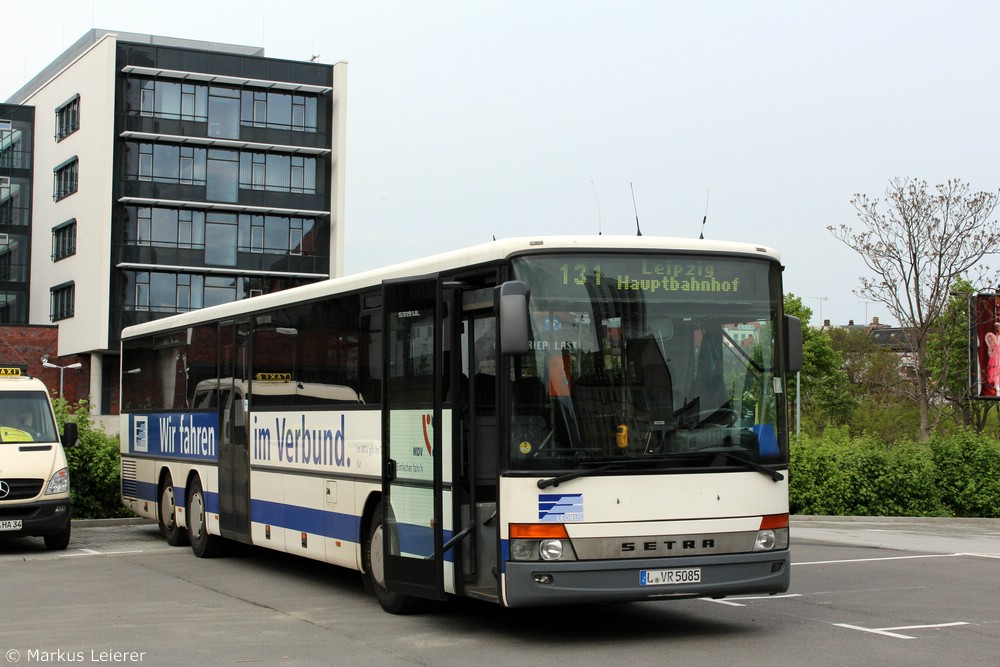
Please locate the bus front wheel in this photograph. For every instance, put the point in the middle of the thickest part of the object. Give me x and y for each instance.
(374, 563)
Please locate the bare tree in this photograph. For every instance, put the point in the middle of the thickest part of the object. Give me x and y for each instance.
(916, 242)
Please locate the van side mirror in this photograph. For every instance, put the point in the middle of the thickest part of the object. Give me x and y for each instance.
(513, 315)
(70, 434)
(793, 344)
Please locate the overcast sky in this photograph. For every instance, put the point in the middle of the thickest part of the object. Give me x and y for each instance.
(470, 119)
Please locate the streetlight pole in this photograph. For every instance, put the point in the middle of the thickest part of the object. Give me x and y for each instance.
(821, 299)
(62, 371)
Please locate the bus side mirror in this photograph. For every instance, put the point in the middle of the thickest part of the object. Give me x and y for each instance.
(513, 307)
(70, 434)
(793, 344)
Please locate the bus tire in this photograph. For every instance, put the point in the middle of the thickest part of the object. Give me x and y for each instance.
(374, 564)
(203, 544)
(58, 541)
(166, 515)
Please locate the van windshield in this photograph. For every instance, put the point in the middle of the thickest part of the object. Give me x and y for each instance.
(25, 416)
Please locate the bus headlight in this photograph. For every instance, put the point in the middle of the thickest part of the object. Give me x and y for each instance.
(771, 539)
(59, 483)
(524, 549)
(550, 549)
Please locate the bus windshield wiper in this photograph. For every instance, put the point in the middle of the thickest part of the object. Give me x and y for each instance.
(559, 479)
(753, 465)
(732, 456)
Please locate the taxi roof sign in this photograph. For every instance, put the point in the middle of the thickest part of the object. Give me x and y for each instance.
(12, 371)
(273, 377)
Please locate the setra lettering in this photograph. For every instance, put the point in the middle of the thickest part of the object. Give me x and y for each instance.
(668, 545)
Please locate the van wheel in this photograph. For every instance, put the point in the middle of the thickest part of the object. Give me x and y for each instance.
(373, 559)
(59, 541)
(203, 544)
(166, 516)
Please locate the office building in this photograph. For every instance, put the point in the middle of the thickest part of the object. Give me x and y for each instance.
(183, 174)
(16, 128)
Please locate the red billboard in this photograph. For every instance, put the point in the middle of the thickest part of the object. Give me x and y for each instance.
(984, 366)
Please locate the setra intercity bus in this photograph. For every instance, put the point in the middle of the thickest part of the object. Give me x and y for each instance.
(533, 421)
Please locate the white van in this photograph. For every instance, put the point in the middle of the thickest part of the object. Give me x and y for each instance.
(34, 476)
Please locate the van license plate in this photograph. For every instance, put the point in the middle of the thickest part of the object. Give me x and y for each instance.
(682, 575)
(10, 524)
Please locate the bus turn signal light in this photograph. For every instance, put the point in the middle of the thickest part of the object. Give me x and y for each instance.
(538, 531)
(772, 521)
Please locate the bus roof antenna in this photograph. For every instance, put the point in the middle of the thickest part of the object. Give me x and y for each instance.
(704, 218)
(638, 232)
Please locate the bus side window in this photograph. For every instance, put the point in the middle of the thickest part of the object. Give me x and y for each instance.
(484, 366)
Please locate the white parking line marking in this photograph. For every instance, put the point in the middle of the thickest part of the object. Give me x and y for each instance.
(873, 560)
(93, 552)
(888, 632)
(980, 555)
(732, 601)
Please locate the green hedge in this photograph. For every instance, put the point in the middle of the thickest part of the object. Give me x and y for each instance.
(968, 474)
(93, 465)
(956, 475)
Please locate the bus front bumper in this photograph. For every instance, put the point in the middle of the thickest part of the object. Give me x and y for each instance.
(628, 580)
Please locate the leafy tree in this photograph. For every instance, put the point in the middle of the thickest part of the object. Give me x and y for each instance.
(872, 370)
(826, 397)
(875, 384)
(917, 242)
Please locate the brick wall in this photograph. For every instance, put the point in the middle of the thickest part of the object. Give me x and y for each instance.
(25, 345)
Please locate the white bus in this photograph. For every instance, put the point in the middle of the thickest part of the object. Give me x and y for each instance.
(530, 421)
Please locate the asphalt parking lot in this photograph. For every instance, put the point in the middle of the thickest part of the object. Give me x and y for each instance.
(864, 591)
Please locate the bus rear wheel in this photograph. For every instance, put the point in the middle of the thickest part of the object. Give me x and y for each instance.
(175, 534)
(203, 544)
(374, 562)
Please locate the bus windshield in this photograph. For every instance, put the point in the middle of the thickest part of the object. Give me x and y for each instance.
(653, 360)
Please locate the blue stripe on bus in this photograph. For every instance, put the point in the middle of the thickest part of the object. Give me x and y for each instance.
(414, 539)
(147, 491)
(211, 502)
(335, 525)
(338, 526)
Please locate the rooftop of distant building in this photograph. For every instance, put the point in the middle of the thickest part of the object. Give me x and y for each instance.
(95, 35)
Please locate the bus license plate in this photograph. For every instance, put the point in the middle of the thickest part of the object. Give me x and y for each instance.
(10, 524)
(683, 575)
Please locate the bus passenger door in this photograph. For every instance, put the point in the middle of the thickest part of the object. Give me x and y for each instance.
(411, 439)
(234, 455)
(479, 453)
